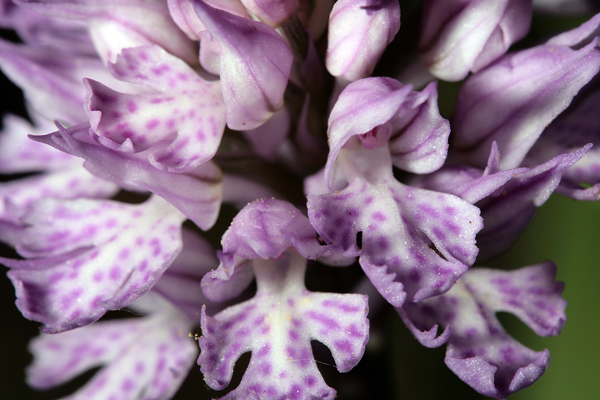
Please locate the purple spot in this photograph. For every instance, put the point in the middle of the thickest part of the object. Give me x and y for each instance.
(508, 354)
(265, 350)
(139, 368)
(451, 211)
(515, 303)
(340, 306)
(98, 276)
(155, 243)
(131, 106)
(310, 380)
(111, 223)
(55, 278)
(153, 123)
(53, 346)
(295, 392)
(305, 357)
(161, 69)
(353, 331)
(379, 216)
(123, 254)
(256, 388)
(323, 319)
(439, 233)
(161, 364)
(428, 210)
(96, 302)
(415, 275)
(68, 300)
(344, 346)
(127, 385)
(290, 352)
(294, 335)
(383, 243)
(452, 227)
(115, 273)
(265, 368)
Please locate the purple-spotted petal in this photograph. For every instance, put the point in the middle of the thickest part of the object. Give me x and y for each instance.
(144, 358)
(277, 325)
(479, 351)
(69, 183)
(266, 228)
(359, 32)
(196, 193)
(410, 241)
(115, 25)
(169, 115)
(254, 67)
(459, 36)
(91, 256)
(513, 100)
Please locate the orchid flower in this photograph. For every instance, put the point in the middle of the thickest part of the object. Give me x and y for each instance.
(297, 134)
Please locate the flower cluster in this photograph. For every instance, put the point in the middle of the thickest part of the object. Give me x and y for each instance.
(277, 108)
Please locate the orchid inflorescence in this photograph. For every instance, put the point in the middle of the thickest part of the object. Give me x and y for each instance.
(277, 108)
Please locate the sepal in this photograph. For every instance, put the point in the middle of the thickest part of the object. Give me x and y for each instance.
(359, 32)
(521, 94)
(255, 64)
(382, 110)
(460, 36)
(148, 22)
(272, 12)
